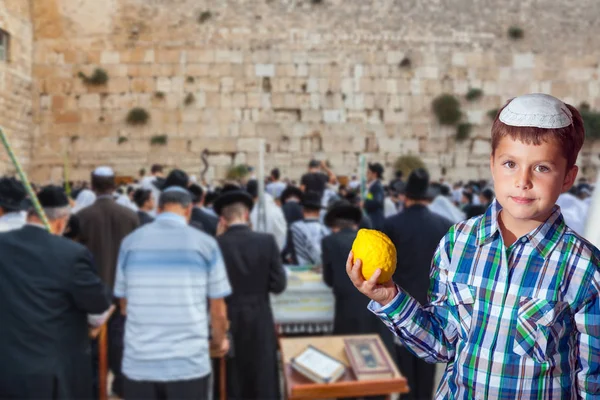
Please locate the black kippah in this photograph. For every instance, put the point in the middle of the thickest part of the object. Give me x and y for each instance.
(53, 197)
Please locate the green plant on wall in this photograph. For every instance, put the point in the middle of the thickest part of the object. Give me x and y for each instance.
(137, 116)
(159, 140)
(159, 95)
(237, 172)
(463, 131)
(515, 33)
(492, 113)
(408, 163)
(204, 16)
(122, 139)
(99, 77)
(591, 122)
(474, 94)
(189, 99)
(447, 109)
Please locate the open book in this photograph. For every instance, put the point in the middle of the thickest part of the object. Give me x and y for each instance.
(318, 366)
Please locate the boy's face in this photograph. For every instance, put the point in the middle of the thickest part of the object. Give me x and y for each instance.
(528, 179)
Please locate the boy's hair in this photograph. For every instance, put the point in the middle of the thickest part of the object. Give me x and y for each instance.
(570, 138)
(103, 184)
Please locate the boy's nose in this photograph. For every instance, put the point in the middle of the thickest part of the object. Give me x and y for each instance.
(523, 180)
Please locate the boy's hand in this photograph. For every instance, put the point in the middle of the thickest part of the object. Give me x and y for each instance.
(381, 293)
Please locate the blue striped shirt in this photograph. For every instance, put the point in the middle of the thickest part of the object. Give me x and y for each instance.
(166, 270)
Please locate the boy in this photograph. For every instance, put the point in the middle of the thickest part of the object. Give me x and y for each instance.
(514, 303)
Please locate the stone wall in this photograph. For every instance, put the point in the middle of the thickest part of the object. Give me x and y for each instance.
(333, 79)
(16, 83)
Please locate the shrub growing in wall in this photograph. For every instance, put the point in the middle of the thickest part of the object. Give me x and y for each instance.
(137, 116)
(159, 140)
(408, 163)
(447, 109)
(99, 77)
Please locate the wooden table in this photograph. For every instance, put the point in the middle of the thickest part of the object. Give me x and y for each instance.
(299, 387)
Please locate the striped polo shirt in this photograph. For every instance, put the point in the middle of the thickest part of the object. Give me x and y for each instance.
(166, 270)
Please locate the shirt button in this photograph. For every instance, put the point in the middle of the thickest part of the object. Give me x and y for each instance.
(523, 240)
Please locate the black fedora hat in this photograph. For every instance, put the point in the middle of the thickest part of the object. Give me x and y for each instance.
(231, 197)
(342, 209)
(12, 194)
(290, 191)
(418, 184)
(311, 200)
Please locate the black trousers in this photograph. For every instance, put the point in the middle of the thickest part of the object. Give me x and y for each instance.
(418, 373)
(116, 335)
(193, 389)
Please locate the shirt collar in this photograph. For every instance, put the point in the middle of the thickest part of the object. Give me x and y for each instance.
(544, 238)
(169, 216)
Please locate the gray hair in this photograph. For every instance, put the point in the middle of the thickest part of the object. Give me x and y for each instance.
(52, 213)
(184, 199)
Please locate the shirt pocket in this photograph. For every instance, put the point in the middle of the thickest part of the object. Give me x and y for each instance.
(539, 328)
(461, 298)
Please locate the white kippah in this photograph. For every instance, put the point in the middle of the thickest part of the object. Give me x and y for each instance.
(537, 110)
(104, 171)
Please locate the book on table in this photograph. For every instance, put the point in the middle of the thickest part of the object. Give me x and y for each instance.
(368, 359)
(318, 366)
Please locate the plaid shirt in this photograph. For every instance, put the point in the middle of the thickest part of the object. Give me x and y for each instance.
(521, 322)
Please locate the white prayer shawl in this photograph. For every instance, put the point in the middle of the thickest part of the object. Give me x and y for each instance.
(574, 212)
(84, 199)
(443, 206)
(276, 224)
(389, 207)
(125, 201)
(307, 236)
(592, 227)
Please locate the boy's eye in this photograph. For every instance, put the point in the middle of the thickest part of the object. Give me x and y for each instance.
(542, 168)
(509, 164)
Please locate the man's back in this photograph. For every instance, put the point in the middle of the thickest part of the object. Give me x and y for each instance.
(253, 262)
(208, 221)
(416, 232)
(314, 181)
(47, 286)
(104, 224)
(166, 271)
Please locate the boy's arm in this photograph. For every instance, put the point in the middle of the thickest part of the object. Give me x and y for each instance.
(587, 321)
(425, 330)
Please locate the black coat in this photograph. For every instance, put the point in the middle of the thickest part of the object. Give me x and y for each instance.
(144, 217)
(416, 233)
(48, 285)
(351, 313)
(374, 205)
(209, 222)
(254, 270)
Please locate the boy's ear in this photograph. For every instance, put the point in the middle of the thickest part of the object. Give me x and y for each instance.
(570, 177)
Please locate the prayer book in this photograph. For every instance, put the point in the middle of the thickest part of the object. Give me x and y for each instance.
(368, 359)
(318, 366)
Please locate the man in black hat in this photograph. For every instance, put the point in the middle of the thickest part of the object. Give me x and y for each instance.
(416, 232)
(308, 233)
(12, 197)
(254, 270)
(373, 204)
(351, 316)
(48, 285)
